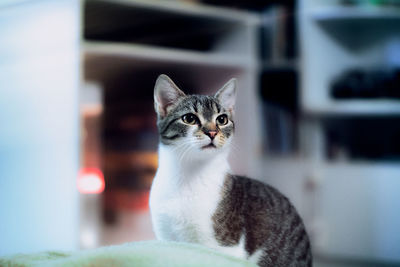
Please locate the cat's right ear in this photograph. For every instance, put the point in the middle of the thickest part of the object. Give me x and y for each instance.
(166, 94)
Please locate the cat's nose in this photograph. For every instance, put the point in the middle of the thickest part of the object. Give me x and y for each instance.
(211, 134)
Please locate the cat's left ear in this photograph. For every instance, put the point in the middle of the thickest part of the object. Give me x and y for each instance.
(227, 95)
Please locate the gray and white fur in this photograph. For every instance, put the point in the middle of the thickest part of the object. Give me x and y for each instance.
(195, 197)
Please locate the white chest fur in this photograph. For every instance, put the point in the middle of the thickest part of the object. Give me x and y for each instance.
(183, 198)
(185, 195)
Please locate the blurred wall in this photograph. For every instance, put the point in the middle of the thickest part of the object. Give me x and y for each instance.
(39, 143)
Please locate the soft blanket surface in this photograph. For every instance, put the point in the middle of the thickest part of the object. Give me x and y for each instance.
(138, 254)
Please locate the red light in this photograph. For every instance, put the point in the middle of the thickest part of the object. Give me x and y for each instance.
(90, 181)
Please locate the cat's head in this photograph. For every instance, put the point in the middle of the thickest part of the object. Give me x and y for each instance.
(198, 124)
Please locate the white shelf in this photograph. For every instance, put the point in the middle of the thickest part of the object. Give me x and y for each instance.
(108, 61)
(159, 54)
(354, 13)
(357, 107)
(191, 10)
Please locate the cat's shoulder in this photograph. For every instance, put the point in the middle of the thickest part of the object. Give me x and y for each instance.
(243, 185)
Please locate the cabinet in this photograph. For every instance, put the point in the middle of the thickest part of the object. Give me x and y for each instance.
(354, 216)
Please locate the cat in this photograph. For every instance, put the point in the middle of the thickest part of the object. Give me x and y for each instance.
(194, 196)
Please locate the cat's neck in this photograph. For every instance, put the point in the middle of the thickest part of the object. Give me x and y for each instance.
(187, 170)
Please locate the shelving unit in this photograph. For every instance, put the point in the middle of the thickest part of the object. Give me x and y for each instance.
(126, 44)
(349, 193)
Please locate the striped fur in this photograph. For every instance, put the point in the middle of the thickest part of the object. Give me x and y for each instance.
(269, 222)
(194, 196)
(205, 107)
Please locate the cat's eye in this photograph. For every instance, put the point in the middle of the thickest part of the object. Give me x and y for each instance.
(190, 119)
(222, 119)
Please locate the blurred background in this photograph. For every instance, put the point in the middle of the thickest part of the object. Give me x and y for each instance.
(317, 114)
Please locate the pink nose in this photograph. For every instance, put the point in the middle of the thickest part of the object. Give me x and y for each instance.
(211, 134)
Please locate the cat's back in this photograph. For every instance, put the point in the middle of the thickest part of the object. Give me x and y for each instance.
(270, 224)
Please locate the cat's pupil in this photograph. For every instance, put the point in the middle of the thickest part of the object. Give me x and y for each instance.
(222, 119)
(189, 118)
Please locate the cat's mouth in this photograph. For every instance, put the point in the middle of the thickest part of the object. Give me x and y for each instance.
(210, 145)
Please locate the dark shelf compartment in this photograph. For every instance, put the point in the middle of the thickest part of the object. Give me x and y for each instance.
(117, 22)
(363, 138)
(279, 94)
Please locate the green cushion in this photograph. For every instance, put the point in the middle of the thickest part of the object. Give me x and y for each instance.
(138, 254)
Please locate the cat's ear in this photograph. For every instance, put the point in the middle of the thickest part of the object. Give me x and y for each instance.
(166, 93)
(227, 95)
